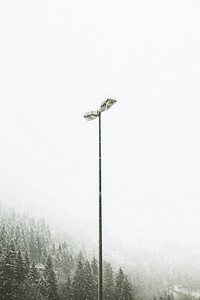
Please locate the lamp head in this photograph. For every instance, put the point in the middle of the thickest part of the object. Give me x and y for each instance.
(91, 115)
(105, 105)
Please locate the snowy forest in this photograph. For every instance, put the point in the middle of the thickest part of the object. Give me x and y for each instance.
(36, 265)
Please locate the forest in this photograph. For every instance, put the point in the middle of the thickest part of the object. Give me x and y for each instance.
(36, 265)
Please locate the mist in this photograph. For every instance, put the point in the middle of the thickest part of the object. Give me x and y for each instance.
(61, 59)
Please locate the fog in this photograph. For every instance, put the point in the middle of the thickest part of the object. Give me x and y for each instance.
(60, 59)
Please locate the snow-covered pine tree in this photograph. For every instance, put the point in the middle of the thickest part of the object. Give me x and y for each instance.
(34, 273)
(33, 249)
(67, 259)
(30, 290)
(51, 280)
(21, 268)
(21, 274)
(68, 290)
(27, 262)
(94, 267)
(3, 236)
(127, 292)
(8, 282)
(109, 285)
(89, 282)
(119, 284)
(78, 287)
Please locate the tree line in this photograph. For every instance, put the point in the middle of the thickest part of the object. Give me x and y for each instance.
(34, 267)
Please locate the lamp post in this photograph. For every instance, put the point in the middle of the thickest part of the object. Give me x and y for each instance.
(89, 117)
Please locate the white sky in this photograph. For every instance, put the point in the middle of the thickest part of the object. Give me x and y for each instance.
(60, 59)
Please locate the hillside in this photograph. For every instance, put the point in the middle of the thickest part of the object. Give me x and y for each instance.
(40, 262)
(34, 265)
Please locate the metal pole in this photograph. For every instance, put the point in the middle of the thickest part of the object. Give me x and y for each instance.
(100, 292)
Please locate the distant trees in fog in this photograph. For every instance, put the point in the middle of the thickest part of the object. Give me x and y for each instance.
(33, 267)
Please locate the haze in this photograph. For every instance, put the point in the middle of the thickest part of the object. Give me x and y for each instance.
(60, 59)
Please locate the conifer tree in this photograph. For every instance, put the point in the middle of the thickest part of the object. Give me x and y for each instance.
(21, 275)
(8, 288)
(40, 246)
(109, 286)
(66, 259)
(89, 282)
(27, 263)
(3, 236)
(58, 260)
(2, 256)
(2, 270)
(78, 287)
(119, 284)
(21, 268)
(53, 249)
(43, 288)
(17, 235)
(127, 293)
(33, 245)
(68, 290)
(30, 290)
(94, 267)
(51, 280)
(34, 273)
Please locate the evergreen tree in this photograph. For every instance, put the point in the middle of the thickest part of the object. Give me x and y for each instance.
(119, 284)
(2, 271)
(51, 280)
(24, 242)
(39, 244)
(89, 282)
(68, 290)
(43, 288)
(9, 286)
(53, 249)
(94, 267)
(78, 287)
(33, 245)
(126, 293)
(21, 268)
(109, 286)
(17, 239)
(27, 263)
(66, 259)
(34, 273)
(58, 256)
(30, 290)
(3, 236)
(21, 274)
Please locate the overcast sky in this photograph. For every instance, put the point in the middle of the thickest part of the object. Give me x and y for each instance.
(60, 59)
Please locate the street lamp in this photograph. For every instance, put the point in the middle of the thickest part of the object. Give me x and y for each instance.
(105, 105)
